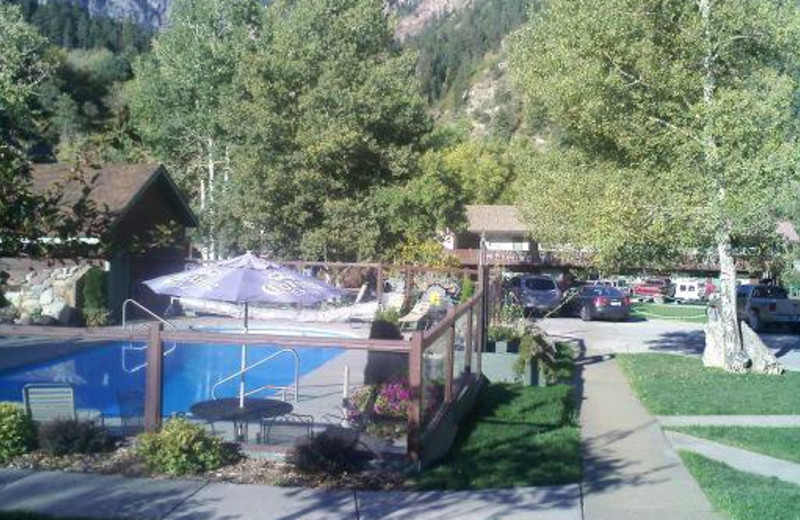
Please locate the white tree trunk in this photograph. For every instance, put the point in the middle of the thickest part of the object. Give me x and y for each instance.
(211, 239)
(723, 338)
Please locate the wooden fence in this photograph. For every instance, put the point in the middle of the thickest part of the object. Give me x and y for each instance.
(459, 335)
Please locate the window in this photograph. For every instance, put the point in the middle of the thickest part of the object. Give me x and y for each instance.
(540, 284)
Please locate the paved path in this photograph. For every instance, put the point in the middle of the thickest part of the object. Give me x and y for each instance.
(761, 421)
(658, 336)
(737, 458)
(98, 496)
(630, 469)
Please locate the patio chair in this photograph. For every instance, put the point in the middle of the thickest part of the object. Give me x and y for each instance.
(131, 410)
(46, 402)
(417, 317)
(286, 429)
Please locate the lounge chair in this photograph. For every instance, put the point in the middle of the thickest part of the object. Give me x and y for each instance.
(47, 402)
(286, 429)
(417, 317)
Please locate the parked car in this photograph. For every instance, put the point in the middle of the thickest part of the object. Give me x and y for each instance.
(688, 290)
(617, 283)
(653, 289)
(599, 302)
(763, 305)
(539, 294)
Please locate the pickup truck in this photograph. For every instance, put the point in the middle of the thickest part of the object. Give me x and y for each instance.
(762, 305)
(652, 289)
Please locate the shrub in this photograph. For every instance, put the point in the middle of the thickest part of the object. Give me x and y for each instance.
(502, 333)
(332, 452)
(17, 432)
(384, 326)
(65, 437)
(390, 315)
(182, 448)
(95, 317)
(94, 306)
(467, 289)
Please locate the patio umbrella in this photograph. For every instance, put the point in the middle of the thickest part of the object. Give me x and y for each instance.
(244, 279)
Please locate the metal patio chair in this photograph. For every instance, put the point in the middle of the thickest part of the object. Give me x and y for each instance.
(286, 429)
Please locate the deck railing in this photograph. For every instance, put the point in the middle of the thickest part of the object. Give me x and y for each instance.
(444, 361)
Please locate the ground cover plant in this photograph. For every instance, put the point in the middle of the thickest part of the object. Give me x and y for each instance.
(64, 437)
(516, 436)
(743, 496)
(680, 385)
(781, 443)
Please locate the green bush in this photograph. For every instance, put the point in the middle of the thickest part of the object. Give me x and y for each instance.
(17, 432)
(65, 437)
(388, 315)
(95, 317)
(94, 289)
(332, 452)
(94, 306)
(467, 289)
(502, 333)
(384, 325)
(182, 448)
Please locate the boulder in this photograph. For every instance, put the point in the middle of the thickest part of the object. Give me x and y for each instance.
(763, 360)
(47, 297)
(60, 312)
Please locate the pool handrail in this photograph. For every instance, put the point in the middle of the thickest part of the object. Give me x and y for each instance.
(258, 363)
(146, 310)
(131, 345)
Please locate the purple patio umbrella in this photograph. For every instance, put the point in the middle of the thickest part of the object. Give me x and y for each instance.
(244, 279)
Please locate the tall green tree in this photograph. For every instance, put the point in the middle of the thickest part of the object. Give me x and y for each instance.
(181, 95)
(679, 129)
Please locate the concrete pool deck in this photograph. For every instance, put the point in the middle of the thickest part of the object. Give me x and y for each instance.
(103, 496)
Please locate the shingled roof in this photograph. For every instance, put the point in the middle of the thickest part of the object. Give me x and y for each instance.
(116, 187)
(494, 219)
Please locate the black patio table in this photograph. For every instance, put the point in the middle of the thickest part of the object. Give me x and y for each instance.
(228, 409)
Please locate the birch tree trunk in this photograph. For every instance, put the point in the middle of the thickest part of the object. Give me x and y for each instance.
(723, 339)
(211, 239)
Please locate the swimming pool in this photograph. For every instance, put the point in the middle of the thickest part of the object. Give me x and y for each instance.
(110, 376)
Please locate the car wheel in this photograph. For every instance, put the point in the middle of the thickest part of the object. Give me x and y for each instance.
(755, 322)
(586, 314)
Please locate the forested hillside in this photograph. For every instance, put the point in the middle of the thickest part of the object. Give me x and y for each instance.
(345, 152)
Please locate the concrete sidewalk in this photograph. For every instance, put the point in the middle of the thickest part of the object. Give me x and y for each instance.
(737, 458)
(630, 469)
(99, 496)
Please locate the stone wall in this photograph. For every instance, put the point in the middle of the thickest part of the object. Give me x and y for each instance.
(51, 290)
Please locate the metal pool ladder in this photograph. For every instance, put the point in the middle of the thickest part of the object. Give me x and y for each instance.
(241, 375)
(131, 346)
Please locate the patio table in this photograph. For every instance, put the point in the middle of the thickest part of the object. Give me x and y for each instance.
(228, 409)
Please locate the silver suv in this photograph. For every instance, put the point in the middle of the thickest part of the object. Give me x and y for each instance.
(539, 294)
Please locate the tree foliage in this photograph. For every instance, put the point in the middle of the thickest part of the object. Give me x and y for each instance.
(628, 94)
(679, 124)
(297, 127)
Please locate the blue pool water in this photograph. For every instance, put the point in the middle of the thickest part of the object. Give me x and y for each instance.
(111, 375)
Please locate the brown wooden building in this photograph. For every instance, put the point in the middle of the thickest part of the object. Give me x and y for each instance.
(143, 203)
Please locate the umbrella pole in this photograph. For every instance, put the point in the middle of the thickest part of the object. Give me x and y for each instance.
(244, 357)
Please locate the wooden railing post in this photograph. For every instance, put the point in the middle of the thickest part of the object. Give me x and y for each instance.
(468, 343)
(449, 356)
(379, 284)
(414, 447)
(154, 379)
(480, 339)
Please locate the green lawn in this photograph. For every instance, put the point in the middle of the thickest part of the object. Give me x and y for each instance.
(744, 496)
(781, 443)
(679, 385)
(516, 436)
(670, 311)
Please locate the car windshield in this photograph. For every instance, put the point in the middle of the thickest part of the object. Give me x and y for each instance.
(602, 291)
(540, 284)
